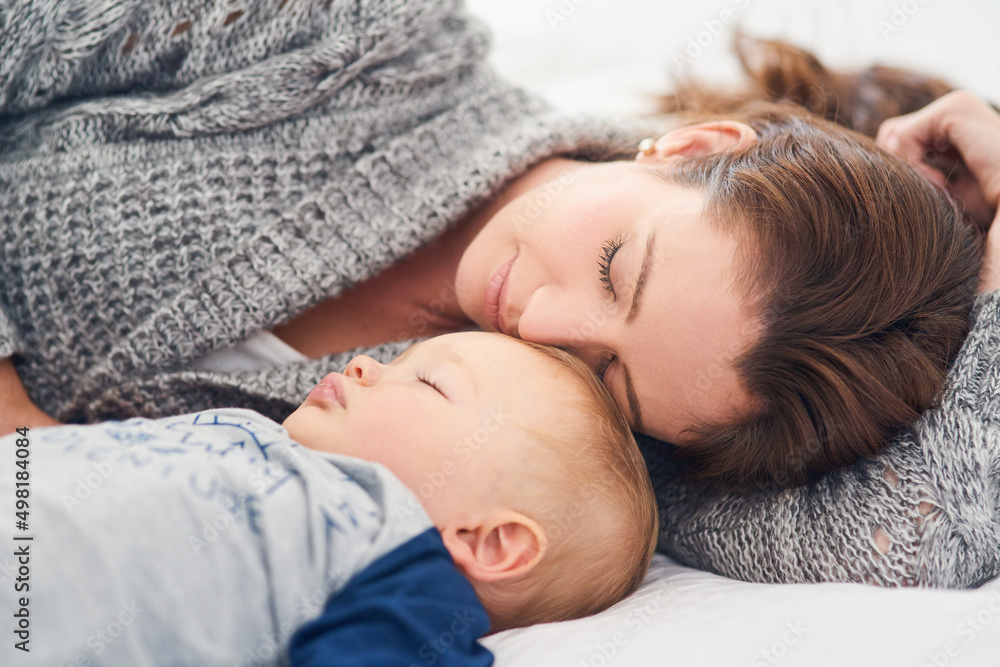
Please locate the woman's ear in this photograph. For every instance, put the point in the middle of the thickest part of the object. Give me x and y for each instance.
(505, 545)
(703, 139)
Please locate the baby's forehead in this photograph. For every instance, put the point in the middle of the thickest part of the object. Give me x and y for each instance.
(543, 373)
(490, 358)
(542, 392)
(480, 352)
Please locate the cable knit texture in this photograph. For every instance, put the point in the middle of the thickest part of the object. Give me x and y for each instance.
(178, 176)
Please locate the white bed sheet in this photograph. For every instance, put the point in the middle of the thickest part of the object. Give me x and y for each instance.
(682, 617)
(610, 57)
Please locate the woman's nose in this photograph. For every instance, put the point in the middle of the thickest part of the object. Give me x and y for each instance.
(364, 369)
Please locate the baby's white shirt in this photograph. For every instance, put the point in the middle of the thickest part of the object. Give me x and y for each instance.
(264, 350)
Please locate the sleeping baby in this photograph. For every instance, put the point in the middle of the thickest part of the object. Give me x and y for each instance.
(340, 536)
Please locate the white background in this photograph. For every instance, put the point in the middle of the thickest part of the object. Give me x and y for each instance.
(607, 56)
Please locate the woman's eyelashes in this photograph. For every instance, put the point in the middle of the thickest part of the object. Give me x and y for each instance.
(608, 251)
(602, 368)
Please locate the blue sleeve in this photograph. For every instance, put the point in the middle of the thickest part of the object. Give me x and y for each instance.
(411, 607)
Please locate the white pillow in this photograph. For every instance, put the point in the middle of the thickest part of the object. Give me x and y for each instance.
(682, 616)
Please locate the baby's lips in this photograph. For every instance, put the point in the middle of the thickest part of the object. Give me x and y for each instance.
(330, 390)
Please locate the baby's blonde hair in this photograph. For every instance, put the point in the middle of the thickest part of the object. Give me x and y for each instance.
(589, 489)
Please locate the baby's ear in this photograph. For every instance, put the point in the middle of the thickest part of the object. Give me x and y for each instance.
(505, 545)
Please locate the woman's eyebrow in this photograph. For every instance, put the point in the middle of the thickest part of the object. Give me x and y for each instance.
(640, 282)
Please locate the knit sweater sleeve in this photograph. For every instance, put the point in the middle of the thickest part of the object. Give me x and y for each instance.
(920, 513)
(186, 68)
(232, 67)
(10, 341)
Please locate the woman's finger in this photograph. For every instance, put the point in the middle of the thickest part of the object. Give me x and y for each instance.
(912, 138)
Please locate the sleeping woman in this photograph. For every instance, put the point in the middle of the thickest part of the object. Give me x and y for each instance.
(185, 188)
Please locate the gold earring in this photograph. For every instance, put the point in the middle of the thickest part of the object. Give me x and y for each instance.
(647, 146)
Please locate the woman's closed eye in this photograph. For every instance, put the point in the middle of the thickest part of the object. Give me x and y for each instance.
(608, 251)
(628, 402)
(602, 368)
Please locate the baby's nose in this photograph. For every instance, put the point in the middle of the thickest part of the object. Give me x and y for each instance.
(364, 369)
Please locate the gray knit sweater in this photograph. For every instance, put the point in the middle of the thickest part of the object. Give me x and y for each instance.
(178, 176)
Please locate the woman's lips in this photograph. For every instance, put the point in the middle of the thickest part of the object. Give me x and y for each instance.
(329, 390)
(496, 293)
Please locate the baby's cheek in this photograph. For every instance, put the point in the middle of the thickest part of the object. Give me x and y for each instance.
(303, 428)
(392, 428)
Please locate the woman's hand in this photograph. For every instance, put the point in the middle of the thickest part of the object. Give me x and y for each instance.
(16, 408)
(955, 143)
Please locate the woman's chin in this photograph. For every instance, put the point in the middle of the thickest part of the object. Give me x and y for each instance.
(471, 307)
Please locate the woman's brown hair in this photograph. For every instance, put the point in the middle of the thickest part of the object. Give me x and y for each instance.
(780, 72)
(862, 272)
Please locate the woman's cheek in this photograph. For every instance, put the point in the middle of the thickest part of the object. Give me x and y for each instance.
(470, 294)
